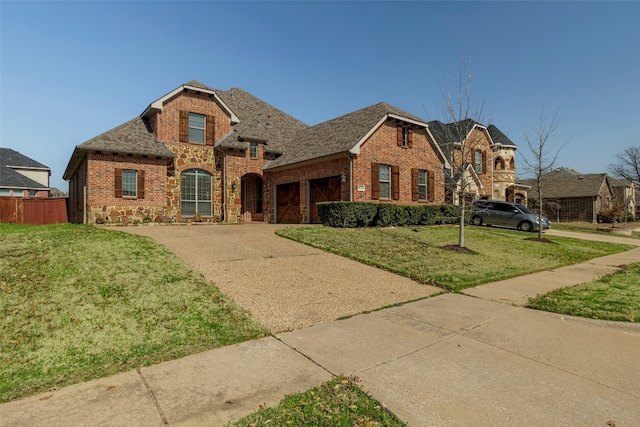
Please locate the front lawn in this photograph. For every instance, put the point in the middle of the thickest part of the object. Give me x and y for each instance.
(615, 296)
(418, 252)
(78, 303)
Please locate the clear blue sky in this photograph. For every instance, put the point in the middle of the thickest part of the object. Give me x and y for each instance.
(72, 70)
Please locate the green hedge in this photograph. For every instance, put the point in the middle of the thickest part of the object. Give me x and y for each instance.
(364, 214)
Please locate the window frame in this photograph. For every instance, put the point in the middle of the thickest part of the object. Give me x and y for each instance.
(253, 150)
(385, 182)
(423, 186)
(129, 184)
(478, 165)
(193, 127)
(197, 193)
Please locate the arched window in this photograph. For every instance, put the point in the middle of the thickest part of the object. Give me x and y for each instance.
(195, 192)
(499, 164)
(512, 164)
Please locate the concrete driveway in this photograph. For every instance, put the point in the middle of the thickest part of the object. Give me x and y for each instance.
(284, 284)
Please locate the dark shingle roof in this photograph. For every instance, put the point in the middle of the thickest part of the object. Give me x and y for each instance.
(9, 157)
(133, 137)
(566, 183)
(10, 178)
(259, 121)
(337, 135)
(498, 137)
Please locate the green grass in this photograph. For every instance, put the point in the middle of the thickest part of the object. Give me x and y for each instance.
(78, 303)
(338, 403)
(418, 253)
(588, 227)
(613, 297)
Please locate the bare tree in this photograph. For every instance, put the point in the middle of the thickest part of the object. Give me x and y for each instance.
(627, 164)
(463, 115)
(544, 151)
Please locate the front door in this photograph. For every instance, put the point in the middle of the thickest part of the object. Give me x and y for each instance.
(288, 203)
(323, 190)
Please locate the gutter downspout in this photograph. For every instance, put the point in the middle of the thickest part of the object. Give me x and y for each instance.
(224, 187)
(84, 204)
(350, 176)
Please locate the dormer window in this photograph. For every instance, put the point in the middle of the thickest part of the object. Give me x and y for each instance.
(405, 137)
(196, 128)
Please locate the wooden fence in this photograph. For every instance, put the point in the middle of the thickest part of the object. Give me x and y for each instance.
(36, 211)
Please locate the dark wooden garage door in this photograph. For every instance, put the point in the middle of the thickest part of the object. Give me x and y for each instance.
(288, 196)
(323, 190)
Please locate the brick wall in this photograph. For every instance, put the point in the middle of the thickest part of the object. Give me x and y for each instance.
(166, 122)
(101, 198)
(381, 147)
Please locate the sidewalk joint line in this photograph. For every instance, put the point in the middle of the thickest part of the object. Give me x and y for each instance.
(153, 397)
(307, 357)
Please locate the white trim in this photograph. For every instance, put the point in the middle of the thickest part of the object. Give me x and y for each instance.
(158, 104)
(356, 148)
(404, 119)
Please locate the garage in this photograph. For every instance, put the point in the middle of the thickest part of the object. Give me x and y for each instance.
(288, 203)
(323, 190)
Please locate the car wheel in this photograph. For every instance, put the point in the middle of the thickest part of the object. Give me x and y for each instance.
(525, 226)
(476, 220)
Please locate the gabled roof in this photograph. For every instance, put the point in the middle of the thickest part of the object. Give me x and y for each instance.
(452, 132)
(342, 135)
(566, 183)
(258, 121)
(10, 162)
(194, 85)
(132, 137)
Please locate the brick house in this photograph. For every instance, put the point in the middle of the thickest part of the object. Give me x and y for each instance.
(488, 170)
(571, 196)
(203, 154)
(21, 176)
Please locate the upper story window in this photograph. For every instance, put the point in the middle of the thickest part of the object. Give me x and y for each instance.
(478, 161)
(404, 137)
(196, 128)
(253, 150)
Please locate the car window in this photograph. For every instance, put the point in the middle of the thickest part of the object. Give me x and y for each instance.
(524, 209)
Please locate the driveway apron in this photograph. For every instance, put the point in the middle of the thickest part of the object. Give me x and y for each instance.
(285, 285)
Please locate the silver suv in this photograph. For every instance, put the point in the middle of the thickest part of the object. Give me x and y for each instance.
(506, 214)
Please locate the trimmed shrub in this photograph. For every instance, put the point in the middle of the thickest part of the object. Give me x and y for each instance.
(367, 214)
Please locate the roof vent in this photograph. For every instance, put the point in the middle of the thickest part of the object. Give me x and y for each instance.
(581, 177)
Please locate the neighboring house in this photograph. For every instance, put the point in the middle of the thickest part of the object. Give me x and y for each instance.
(489, 169)
(571, 196)
(624, 195)
(202, 154)
(21, 176)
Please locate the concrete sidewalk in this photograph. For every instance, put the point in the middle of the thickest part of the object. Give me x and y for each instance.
(447, 360)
